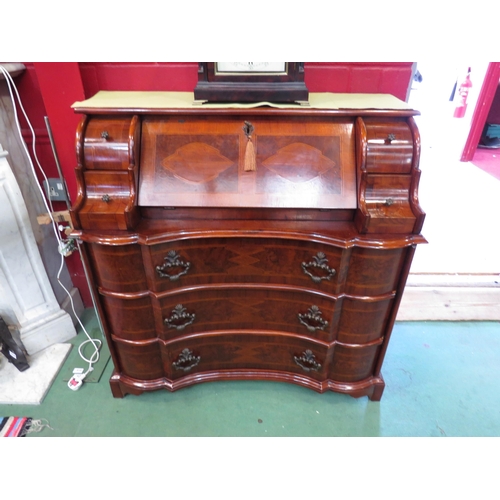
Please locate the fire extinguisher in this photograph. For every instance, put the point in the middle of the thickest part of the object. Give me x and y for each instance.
(463, 93)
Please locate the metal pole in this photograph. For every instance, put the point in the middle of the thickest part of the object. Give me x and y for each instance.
(68, 204)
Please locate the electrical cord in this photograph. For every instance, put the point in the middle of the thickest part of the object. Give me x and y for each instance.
(49, 207)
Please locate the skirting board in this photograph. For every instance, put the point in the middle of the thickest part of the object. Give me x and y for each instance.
(434, 297)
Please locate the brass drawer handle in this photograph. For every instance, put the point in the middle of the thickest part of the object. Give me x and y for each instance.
(106, 198)
(105, 135)
(186, 360)
(312, 319)
(318, 262)
(307, 361)
(172, 261)
(179, 318)
(390, 138)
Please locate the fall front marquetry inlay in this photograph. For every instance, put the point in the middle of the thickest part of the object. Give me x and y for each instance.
(196, 163)
(192, 162)
(300, 162)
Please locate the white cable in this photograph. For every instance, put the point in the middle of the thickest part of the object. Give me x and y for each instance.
(10, 84)
(95, 357)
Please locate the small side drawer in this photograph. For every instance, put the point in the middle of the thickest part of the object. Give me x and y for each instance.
(109, 202)
(111, 143)
(387, 198)
(389, 146)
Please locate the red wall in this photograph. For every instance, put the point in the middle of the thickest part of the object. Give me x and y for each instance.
(390, 78)
(49, 89)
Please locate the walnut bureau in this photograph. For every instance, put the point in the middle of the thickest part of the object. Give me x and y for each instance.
(247, 242)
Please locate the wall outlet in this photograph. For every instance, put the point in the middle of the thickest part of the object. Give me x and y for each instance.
(55, 190)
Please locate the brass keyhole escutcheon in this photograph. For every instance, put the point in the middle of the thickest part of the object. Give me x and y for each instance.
(248, 129)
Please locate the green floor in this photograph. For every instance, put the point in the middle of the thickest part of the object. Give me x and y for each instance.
(441, 380)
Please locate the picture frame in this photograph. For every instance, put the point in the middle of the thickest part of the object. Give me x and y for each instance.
(277, 82)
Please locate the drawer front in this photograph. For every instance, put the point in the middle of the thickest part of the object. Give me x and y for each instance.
(247, 309)
(353, 363)
(389, 146)
(388, 198)
(374, 272)
(363, 321)
(141, 361)
(130, 319)
(106, 144)
(118, 268)
(244, 260)
(251, 352)
(109, 198)
(203, 161)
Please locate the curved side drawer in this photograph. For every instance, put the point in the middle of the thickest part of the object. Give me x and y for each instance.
(130, 319)
(353, 363)
(374, 272)
(118, 268)
(109, 143)
(389, 145)
(140, 360)
(363, 321)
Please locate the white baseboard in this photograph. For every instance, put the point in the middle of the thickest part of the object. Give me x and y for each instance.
(451, 297)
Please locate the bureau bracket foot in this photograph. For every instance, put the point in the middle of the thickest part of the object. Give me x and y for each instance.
(373, 388)
(116, 388)
(120, 388)
(374, 391)
(377, 391)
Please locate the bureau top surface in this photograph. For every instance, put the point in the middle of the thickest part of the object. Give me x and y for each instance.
(171, 102)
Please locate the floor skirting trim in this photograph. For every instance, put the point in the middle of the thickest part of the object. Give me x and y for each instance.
(445, 297)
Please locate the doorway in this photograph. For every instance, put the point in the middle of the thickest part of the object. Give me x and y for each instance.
(435, 97)
(456, 276)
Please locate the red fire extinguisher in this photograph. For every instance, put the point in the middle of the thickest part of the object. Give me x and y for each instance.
(463, 93)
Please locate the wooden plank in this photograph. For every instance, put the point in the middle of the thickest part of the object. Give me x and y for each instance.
(450, 303)
(454, 279)
(62, 216)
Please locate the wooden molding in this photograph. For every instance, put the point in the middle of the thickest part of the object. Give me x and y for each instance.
(451, 298)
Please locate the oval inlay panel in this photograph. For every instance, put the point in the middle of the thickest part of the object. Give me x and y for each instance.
(197, 163)
(298, 162)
